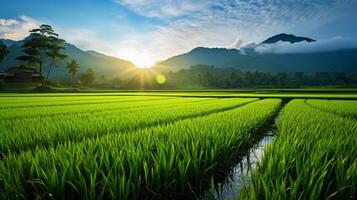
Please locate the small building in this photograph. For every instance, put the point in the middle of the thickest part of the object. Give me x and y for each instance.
(21, 75)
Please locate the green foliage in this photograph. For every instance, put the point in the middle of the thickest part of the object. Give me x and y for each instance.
(113, 146)
(343, 108)
(43, 43)
(88, 77)
(46, 126)
(210, 76)
(55, 46)
(313, 156)
(166, 161)
(72, 67)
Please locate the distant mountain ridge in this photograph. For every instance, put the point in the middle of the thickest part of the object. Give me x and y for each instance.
(102, 64)
(7, 42)
(283, 37)
(246, 58)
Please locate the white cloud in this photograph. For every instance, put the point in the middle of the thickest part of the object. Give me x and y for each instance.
(8, 22)
(216, 23)
(17, 29)
(185, 25)
(162, 9)
(237, 44)
(331, 44)
(83, 38)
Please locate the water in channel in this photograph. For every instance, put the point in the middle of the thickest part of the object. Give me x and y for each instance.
(240, 173)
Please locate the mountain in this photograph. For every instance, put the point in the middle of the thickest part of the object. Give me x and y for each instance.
(200, 55)
(342, 60)
(7, 42)
(102, 64)
(286, 38)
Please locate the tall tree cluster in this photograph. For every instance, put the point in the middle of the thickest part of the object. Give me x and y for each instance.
(43, 46)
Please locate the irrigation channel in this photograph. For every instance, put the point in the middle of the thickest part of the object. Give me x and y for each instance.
(239, 175)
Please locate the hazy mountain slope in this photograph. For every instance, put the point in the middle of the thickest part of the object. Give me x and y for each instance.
(7, 42)
(247, 59)
(201, 55)
(102, 64)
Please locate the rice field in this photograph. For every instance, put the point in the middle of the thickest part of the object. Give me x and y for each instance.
(313, 156)
(73, 146)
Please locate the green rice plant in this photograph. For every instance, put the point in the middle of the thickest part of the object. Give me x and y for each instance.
(314, 156)
(340, 107)
(259, 93)
(83, 107)
(71, 102)
(177, 160)
(21, 134)
(19, 99)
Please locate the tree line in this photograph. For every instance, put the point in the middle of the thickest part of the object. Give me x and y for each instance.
(210, 76)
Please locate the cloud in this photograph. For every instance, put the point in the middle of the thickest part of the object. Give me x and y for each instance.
(163, 9)
(331, 44)
(83, 38)
(8, 22)
(184, 25)
(17, 29)
(217, 23)
(237, 44)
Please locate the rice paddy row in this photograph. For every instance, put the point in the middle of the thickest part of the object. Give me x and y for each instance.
(170, 160)
(343, 108)
(27, 133)
(314, 155)
(73, 102)
(53, 110)
(137, 147)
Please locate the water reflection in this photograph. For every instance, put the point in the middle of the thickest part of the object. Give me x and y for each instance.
(231, 187)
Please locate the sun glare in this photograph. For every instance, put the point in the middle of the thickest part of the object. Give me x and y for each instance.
(137, 58)
(160, 79)
(142, 61)
(142, 64)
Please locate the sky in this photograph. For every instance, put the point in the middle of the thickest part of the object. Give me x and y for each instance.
(147, 31)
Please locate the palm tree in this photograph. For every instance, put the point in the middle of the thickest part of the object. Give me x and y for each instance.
(72, 67)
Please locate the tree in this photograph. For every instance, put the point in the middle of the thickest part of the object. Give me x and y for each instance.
(88, 77)
(3, 51)
(103, 79)
(43, 43)
(281, 79)
(72, 67)
(54, 53)
(299, 77)
(232, 78)
(354, 78)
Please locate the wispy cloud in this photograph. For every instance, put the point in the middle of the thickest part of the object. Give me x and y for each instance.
(186, 24)
(330, 44)
(220, 23)
(84, 38)
(164, 9)
(17, 29)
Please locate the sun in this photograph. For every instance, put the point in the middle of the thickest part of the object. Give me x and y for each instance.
(139, 59)
(141, 62)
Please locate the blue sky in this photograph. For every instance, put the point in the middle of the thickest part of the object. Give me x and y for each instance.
(145, 31)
